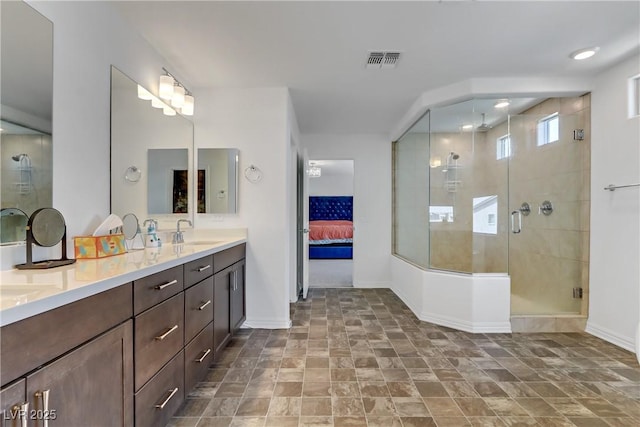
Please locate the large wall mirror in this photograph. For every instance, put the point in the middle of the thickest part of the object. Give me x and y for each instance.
(217, 180)
(26, 95)
(150, 156)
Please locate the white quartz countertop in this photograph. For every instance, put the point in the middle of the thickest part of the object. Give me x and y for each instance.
(25, 293)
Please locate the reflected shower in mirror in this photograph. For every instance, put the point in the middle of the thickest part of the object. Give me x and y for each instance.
(217, 180)
(150, 160)
(26, 60)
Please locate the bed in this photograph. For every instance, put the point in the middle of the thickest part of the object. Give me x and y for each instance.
(330, 227)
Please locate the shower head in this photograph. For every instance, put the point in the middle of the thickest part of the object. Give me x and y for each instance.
(483, 126)
(16, 157)
(454, 156)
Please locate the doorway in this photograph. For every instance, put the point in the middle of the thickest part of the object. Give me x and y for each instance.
(330, 223)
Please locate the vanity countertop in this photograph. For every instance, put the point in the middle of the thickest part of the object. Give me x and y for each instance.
(25, 293)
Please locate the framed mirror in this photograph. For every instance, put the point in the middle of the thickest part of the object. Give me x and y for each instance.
(26, 89)
(217, 180)
(150, 151)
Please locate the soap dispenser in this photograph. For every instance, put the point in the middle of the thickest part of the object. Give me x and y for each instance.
(151, 240)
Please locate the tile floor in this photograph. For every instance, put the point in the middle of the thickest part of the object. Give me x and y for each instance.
(359, 357)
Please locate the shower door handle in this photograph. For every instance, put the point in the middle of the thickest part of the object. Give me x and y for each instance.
(513, 222)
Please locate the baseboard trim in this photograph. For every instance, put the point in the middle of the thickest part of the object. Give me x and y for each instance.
(267, 324)
(372, 285)
(463, 325)
(405, 300)
(608, 335)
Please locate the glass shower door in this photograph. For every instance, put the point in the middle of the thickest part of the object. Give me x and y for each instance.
(549, 210)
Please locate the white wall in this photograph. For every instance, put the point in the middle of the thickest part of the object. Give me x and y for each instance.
(371, 198)
(88, 37)
(331, 185)
(255, 121)
(614, 296)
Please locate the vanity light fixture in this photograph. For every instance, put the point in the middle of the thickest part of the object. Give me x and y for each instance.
(467, 127)
(501, 103)
(585, 53)
(176, 94)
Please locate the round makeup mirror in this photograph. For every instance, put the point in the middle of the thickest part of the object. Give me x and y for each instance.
(46, 227)
(131, 231)
(13, 226)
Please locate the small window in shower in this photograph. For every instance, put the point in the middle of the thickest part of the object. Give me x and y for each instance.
(548, 129)
(485, 214)
(503, 147)
(440, 213)
(634, 96)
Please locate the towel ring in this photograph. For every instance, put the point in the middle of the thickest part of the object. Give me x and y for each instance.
(253, 174)
(133, 174)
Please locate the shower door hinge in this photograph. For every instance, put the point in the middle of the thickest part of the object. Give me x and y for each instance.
(578, 134)
(577, 293)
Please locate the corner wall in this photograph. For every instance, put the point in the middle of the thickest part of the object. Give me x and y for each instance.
(371, 200)
(257, 122)
(614, 300)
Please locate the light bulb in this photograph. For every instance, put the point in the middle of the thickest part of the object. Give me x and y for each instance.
(177, 99)
(166, 87)
(188, 106)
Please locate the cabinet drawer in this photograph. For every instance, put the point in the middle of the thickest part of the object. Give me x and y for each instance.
(31, 342)
(161, 397)
(198, 356)
(230, 256)
(198, 308)
(159, 335)
(156, 288)
(197, 270)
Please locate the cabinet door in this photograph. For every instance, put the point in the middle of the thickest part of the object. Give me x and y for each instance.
(14, 408)
(91, 385)
(221, 299)
(237, 296)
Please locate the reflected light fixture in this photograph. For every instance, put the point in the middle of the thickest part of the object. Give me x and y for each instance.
(157, 103)
(165, 90)
(435, 162)
(585, 53)
(501, 103)
(187, 107)
(467, 127)
(168, 111)
(314, 171)
(144, 94)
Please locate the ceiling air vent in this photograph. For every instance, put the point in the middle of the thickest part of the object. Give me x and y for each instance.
(383, 59)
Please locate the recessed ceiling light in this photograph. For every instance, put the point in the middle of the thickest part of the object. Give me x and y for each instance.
(502, 103)
(584, 53)
(467, 127)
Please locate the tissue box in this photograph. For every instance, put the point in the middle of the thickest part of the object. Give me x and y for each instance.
(99, 246)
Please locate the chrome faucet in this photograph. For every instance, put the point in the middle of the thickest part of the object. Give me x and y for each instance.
(178, 237)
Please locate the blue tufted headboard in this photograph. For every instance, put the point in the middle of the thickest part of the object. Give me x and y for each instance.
(330, 208)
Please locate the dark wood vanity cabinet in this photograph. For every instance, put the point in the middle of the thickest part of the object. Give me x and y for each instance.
(127, 356)
(229, 295)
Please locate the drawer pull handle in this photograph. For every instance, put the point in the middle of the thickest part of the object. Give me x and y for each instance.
(206, 267)
(45, 406)
(21, 411)
(206, 353)
(204, 305)
(161, 287)
(171, 394)
(163, 336)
